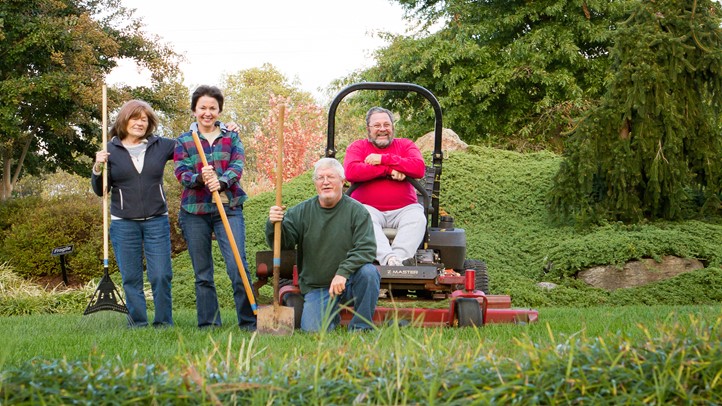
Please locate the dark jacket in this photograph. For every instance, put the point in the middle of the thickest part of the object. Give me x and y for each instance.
(136, 195)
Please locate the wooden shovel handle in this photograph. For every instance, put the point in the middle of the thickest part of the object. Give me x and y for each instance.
(277, 225)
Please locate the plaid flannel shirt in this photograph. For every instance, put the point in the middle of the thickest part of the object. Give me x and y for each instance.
(226, 155)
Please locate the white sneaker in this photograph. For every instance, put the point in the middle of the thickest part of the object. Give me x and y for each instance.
(393, 261)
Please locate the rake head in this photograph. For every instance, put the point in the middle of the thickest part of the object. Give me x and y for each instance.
(106, 297)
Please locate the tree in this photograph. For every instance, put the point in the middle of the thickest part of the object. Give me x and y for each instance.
(303, 142)
(506, 72)
(170, 100)
(247, 94)
(350, 123)
(54, 57)
(652, 148)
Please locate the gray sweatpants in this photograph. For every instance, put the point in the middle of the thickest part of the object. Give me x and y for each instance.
(410, 223)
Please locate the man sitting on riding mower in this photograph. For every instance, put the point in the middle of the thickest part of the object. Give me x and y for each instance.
(382, 163)
(335, 246)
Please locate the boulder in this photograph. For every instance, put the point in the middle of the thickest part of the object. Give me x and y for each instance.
(450, 141)
(547, 285)
(638, 273)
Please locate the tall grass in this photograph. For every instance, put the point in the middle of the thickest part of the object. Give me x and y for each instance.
(637, 354)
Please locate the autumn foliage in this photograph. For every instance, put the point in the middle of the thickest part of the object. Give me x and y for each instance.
(302, 139)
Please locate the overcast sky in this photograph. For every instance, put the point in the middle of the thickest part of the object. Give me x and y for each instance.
(314, 41)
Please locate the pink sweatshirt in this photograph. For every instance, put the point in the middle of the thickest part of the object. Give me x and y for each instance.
(378, 189)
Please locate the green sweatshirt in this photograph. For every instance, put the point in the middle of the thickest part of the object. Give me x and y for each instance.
(329, 242)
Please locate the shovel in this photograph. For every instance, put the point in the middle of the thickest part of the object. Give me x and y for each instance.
(277, 319)
(229, 233)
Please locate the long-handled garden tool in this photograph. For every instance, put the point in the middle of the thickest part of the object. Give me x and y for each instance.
(277, 319)
(106, 296)
(229, 233)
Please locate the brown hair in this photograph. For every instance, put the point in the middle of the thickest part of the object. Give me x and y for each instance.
(210, 91)
(133, 109)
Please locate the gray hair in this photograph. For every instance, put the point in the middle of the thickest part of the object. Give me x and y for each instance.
(332, 163)
(374, 110)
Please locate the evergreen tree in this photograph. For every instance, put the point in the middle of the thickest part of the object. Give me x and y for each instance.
(653, 146)
(507, 72)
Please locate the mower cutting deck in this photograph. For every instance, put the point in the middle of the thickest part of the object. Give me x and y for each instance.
(467, 306)
(439, 270)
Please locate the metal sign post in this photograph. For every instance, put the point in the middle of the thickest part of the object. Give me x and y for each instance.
(62, 252)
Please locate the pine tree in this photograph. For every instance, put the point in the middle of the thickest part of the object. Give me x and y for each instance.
(511, 73)
(652, 148)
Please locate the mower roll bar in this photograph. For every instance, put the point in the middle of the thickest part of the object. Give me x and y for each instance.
(437, 155)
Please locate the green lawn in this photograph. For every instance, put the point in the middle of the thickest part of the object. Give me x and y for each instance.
(590, 352)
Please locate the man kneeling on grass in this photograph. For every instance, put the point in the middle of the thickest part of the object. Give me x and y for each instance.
(334, 239)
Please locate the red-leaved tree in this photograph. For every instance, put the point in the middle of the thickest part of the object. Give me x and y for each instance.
(303, 139)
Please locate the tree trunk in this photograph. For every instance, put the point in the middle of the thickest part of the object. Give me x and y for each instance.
(7, 186)
(8, 181)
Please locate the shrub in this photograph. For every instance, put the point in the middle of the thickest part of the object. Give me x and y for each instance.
(173, 191)
(13, 211)
(37, 229)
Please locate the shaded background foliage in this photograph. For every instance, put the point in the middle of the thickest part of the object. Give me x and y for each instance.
(38, 226)
(511, 74)
(55, 56)
(652, 147)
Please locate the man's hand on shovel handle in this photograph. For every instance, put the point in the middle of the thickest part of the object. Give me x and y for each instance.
(275, 214)
(338, 285)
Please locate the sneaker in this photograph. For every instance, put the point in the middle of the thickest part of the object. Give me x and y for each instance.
(393, 261)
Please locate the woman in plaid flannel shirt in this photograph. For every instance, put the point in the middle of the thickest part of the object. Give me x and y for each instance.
(199, 217)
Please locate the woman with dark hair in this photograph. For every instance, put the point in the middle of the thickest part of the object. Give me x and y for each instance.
(139, 213)
(199, 217)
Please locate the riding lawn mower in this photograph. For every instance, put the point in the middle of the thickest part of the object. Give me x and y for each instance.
(438, 271)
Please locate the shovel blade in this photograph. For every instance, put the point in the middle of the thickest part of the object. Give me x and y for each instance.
(276, 320)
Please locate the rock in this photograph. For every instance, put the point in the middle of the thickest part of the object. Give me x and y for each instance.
(450, 141)
(547, 285)
(638, 273)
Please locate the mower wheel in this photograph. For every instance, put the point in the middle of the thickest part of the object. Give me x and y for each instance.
(295, 300)
(468, 312)
(482, 276)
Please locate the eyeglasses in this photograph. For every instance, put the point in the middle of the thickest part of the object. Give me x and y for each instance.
(379, 126)
(324, 178)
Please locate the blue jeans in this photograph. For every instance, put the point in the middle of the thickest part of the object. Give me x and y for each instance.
(362, 292)
(197, 230)
(132, 240)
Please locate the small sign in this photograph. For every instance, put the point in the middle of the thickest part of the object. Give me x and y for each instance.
(67, 249)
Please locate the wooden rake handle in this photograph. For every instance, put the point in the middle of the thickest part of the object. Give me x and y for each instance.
(105, 178)
(229, 233)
